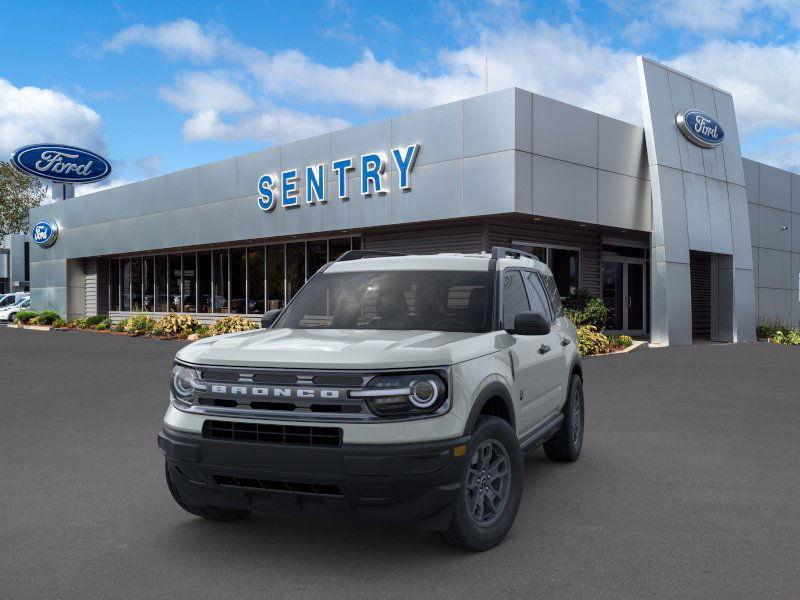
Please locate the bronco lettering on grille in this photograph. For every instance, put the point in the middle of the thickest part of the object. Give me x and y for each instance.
(275, 392)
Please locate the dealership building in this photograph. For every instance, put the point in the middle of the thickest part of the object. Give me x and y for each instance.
(681, 236)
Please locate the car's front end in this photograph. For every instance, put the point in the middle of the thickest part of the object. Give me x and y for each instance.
(382, 445)
(336, 410)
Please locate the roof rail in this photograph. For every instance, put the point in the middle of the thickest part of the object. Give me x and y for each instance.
(359, 254)
(500, 252)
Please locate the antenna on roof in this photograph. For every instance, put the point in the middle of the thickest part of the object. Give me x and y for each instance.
(486, 73)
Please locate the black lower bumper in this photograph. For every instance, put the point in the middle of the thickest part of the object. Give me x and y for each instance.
(416, 483)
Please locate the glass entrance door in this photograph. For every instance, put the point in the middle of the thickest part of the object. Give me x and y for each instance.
(624, 293)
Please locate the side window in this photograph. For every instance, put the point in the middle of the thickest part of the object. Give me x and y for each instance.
(515, 298)
(537, 295)
(552, 293)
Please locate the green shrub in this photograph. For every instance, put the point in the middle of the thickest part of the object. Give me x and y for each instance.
(768, 329)
(175, 324)
(203, 331)
(59, 322)
(46, 317)
(94, 320)
(591, 341)
(620, 341)
(789, 337)
(119, 327)
(138, 324)
(24, 316)
(103, 325)
(584, 309)
(232, 324)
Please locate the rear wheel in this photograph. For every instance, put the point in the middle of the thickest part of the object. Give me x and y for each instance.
(491, 488)
(566, 444)
(216, 513)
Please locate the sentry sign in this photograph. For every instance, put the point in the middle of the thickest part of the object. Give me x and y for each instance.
(64, 164)
(284, 189)
(700, 128)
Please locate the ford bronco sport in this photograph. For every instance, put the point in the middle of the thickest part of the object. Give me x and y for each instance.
(395, 387)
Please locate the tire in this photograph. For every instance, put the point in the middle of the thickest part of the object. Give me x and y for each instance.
(566, 444)
(216, 513)
(479, 532)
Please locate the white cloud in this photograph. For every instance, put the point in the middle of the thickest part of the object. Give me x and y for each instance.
(278, 125)
(764, 80)
(562, 62)
(198, 90)
(150, 166)
(30, 114)
(181, 38)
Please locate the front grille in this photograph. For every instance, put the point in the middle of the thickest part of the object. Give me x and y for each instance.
(261, 433)
(290, 487)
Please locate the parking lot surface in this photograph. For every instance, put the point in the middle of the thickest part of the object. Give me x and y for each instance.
(688, 487)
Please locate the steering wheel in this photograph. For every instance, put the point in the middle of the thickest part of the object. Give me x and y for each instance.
(458, 322)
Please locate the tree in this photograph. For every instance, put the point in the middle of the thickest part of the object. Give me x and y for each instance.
(18, 194)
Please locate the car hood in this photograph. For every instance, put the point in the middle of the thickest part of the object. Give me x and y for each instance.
(339, 348)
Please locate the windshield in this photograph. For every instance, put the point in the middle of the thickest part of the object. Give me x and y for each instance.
(404, 300)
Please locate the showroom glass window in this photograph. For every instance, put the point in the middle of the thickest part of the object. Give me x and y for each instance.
(189, 282)
(148, 283)
(126, 284)
(136, 284)
(238, 303)
(204, 282)
(563, 262)
(113, 282)
(160, 277)
(242, 280)
(174, 283)
(256, 280)
(276, 276)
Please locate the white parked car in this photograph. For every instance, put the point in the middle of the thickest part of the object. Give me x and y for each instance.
(8, 312)
(13, 298)
(404, 388)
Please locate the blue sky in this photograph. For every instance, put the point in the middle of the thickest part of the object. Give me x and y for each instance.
(159, 86)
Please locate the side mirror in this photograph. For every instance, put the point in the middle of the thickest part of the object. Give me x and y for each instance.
(531, 323)
(270, 317)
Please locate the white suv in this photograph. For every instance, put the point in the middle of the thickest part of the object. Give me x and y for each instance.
(395, 387)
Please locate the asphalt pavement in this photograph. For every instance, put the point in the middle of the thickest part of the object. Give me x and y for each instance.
(688, 487)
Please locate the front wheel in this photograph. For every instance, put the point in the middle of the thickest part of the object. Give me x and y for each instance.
(217, 513)
(566, 444)
(491, 488)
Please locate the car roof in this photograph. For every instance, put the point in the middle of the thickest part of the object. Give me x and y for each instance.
(445, 261)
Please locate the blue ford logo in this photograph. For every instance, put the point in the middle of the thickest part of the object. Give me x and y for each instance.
(700, 128)
(44, 233)
(65, 164)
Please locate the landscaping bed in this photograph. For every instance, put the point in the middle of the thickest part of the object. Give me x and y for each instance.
(778, 333)
(171, 326)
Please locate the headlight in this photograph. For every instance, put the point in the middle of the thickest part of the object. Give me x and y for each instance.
(183, 383)
(405, 394)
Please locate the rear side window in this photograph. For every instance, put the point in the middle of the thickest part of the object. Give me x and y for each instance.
(538, 296)
(515, 298)
(552, 292)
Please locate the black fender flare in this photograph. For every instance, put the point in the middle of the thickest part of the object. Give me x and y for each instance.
(492, 390)
(574, 368)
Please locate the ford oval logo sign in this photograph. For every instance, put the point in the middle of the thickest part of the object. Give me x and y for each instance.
(65, 164)
(44, 233)
(700, 128)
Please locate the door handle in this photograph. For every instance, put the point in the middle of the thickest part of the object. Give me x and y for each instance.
(544, 349)
(565, 341)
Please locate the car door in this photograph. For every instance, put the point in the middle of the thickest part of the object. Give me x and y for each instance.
(530, 355)
(557, 356)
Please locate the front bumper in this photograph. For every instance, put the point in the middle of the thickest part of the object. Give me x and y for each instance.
(416, 482)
